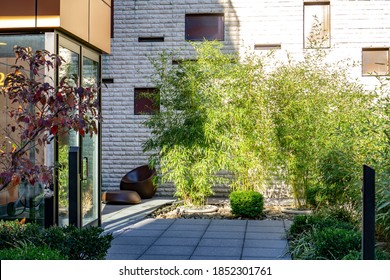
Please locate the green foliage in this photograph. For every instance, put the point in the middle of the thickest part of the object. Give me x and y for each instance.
(12, 232)
(30, 252)
(78, 244)
(382, 166)
(357, 255)
(383, 212)
(63, 172)
(306, 223)
(323, 236)
(246, 203)
(317, 112)
(73, 243)
(340, 184)
(334, 243)
(204, 127)
(307, 123)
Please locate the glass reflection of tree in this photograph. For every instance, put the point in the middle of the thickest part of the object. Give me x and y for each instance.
(69, 69)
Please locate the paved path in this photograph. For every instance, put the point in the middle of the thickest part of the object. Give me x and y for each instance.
(137, 238)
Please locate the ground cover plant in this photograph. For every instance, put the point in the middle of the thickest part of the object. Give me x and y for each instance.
(324, 236)
(31, 241)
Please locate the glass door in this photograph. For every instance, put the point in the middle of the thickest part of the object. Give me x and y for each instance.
(70, 69)
(89, 149)
(81, 67)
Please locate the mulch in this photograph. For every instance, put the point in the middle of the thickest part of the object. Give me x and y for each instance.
(174, 211)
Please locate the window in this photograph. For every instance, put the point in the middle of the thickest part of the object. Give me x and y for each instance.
(150, 39)
(199, 27)
(146, 101)
(375, 61)
(262, 47)
(316, 24)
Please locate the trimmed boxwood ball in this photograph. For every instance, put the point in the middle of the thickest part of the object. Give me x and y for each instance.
(246, 203)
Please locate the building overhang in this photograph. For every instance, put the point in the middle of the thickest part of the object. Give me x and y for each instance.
(87, 20)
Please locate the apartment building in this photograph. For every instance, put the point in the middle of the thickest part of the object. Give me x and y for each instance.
(358, 30)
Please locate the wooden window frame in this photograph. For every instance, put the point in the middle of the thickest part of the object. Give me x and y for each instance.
(144, 105)
(374, 73)
(193, 34)
(326, 43)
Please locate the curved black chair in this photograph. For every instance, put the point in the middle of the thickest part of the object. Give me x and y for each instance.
(140, 179)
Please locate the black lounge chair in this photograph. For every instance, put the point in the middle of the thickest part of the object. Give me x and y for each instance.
(140, 179)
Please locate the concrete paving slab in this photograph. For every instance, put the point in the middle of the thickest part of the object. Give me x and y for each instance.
(183, 241)
(191, 221)
(112, 257)
(265, 223)
(163, 257)
(170, 250)
(180, 233)
(138, 240)
(188, 227)
(255, 243)
(230, 228)
(213, 242)
(224, 234)
(128, 249)
(218, 251)
(264, 252)
(228, 222)
(214, 258)
(264, 258)
(152, 223)
(264, 235)
(137, 237)
(268, 229)
(142, 233)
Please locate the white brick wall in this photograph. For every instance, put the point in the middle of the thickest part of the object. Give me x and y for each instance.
(355, 24)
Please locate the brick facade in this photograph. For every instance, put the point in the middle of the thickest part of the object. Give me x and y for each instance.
(354, 25)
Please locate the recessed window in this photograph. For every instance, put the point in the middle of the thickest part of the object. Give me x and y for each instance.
(261, 47)
(199, 27)
(316, 24)
(375, 61)
(146, 101)
(150, 39)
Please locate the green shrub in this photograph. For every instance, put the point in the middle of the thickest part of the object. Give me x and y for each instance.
(301, 247)
(246, 203)
(329, 234)
(71, 242)
(305, 223)
(79, 244)
(335, 243)
(31, 252)
(340, 177)
(325, 244)
(12, 232)
(357, 255)
(383, 211)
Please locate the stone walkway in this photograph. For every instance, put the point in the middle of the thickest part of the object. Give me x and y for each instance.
(139, 238)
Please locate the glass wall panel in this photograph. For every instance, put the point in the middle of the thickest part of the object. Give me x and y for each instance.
(23, 200)
(71, 70)
(89, 176)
